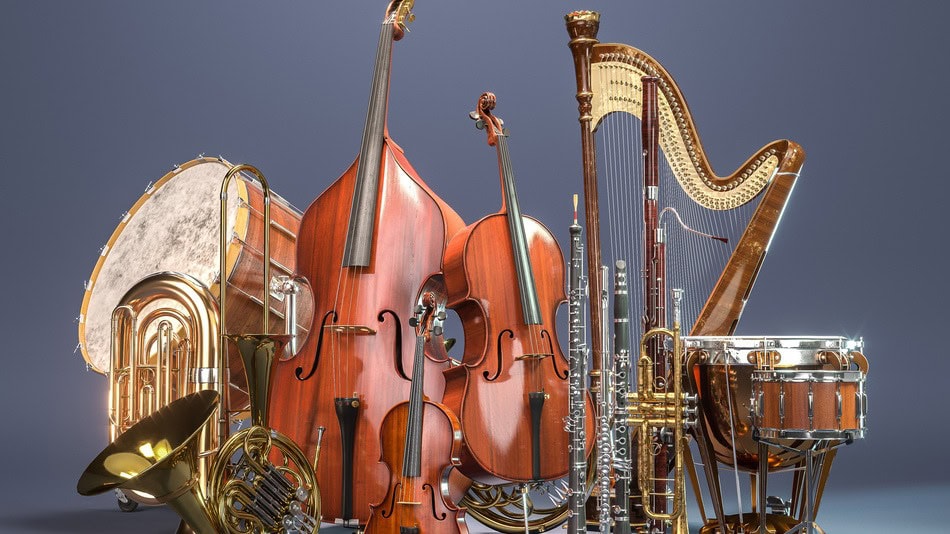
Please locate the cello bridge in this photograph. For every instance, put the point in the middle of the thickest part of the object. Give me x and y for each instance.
(350, 329)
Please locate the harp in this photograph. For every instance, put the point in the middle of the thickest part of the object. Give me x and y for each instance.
(742, 208)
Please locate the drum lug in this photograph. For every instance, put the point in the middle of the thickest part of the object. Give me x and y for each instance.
(838, 407)
(811, 406)
(781, 405)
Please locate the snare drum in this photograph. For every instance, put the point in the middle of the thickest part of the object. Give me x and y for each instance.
(807, 405)
(722, 370)
(174, 227)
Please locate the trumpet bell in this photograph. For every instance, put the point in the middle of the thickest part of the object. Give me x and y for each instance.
(159, 456)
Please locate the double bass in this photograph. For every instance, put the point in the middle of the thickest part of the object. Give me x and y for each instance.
(505, 279)
(370, 245)
(418, 500)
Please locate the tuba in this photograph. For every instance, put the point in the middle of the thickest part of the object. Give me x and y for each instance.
(259, 481)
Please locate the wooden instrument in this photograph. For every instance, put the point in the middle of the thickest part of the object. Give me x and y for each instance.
(418, 501)
(511, 391)
(370, 244)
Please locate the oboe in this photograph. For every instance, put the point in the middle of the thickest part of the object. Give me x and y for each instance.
(577, 356)
(622, 453)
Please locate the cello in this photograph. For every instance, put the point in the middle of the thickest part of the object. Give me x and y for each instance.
(418, 499)
(370, 245)
(511, 390)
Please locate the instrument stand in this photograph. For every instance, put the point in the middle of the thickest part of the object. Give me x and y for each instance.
(524, 504)
(808, 524)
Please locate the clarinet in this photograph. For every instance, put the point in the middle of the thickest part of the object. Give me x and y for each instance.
(605, 416)
(622, 452)
(577, 476)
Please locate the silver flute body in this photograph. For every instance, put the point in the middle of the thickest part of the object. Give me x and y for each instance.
(577, 356)
(605, 401)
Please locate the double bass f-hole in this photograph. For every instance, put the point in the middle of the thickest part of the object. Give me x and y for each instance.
(330, 319)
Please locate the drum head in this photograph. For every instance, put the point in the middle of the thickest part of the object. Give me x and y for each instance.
(174, 227)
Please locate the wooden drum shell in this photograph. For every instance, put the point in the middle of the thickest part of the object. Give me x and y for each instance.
(808, 404)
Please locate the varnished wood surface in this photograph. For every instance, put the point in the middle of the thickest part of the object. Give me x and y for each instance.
(435, 512)
(410, 233)
(495, 415)
(720, 315)
(796, 405)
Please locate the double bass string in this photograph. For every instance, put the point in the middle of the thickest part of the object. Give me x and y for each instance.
(340, 339)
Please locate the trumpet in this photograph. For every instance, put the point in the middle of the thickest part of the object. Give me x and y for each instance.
(663, 415)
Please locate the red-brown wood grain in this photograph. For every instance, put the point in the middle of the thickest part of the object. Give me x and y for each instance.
(412, 226)
(432, 509)
(495, 415)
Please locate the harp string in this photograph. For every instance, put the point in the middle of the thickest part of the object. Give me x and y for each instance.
(694, 262)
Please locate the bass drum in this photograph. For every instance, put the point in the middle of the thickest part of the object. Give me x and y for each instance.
(174, 227)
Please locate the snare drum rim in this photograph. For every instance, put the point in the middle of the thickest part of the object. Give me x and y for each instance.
(804, 351)
(800, 375)
(241, 221)
(799, 434)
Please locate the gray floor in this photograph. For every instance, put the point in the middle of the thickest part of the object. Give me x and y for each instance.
(865, 510)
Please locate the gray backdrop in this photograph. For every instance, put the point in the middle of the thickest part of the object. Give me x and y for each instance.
(100, 98)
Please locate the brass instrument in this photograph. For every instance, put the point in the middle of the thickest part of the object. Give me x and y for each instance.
(662, 415)
(164, 346)
(251, 490)
(158, 457)
(157, 339)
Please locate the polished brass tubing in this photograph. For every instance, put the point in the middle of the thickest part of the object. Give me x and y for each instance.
(223, 274)
(666, 413)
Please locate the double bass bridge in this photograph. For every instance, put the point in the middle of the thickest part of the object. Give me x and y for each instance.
(533, 356)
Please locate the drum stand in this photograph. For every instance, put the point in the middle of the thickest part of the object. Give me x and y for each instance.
(812, 454)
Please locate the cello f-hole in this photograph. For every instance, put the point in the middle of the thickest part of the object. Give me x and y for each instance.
(397, 346)
(332, 316)
(497, 373)
(547, 337)
(428, 487)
